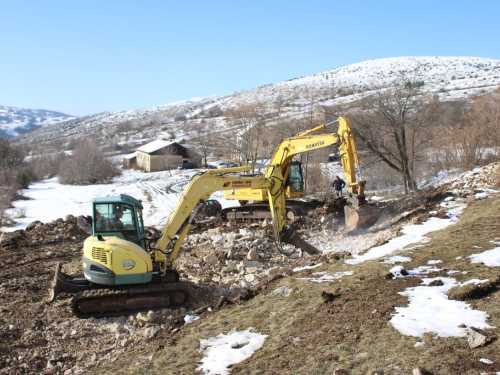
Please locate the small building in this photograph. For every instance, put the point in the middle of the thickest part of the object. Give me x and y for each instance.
(130, 161)
(161, 155)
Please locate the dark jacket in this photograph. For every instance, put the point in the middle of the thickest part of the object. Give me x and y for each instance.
(338, 184)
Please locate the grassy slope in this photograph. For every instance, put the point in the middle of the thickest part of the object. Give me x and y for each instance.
(309, 336)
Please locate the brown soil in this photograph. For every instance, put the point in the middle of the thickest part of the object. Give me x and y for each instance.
(38, 337)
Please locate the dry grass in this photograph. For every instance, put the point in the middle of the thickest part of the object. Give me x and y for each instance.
(311, 334)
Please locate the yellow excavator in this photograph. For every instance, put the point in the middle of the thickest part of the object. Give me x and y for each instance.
(124, 272)
(358, 215)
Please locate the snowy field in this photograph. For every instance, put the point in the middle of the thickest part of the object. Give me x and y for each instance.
(159, 193)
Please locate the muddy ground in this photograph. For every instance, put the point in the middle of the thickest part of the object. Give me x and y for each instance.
(43, 338)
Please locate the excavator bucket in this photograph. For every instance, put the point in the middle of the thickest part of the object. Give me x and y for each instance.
(359, 218)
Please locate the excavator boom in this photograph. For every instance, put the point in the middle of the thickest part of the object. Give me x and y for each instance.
(203, 185)
(358, 215)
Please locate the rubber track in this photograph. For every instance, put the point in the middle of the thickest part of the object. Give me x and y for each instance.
(130, 293)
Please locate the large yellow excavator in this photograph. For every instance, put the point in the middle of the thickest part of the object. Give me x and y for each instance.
(358, 215)
(123, 272)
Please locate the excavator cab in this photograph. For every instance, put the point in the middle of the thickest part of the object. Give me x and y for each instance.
(295, 181)
(119, 216)
(294, 186)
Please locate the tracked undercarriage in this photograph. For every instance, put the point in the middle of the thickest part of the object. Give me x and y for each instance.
(92, 300)
(260, 211)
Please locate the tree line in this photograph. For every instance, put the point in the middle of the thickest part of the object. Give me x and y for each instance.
(404, 135)
(416, 137)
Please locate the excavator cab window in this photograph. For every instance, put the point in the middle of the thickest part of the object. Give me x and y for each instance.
(117, 219)
(295, 179)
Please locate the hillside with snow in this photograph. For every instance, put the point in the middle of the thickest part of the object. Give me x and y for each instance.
(17, 121)
(446, 78)
(417, 293)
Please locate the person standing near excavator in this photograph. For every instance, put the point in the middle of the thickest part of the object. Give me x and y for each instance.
(338, 184)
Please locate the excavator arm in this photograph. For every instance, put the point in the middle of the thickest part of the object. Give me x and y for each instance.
(343, 139)
(204, 184)
(307, 141)
(350, 163)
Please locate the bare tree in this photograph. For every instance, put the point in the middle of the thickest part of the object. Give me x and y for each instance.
(205, 139)
(11, 159)
(485, 117)
(395, 128)
(251, 121)
(474, 139)
(469, 135)
(450, 118)
(87, 165)
(318, 180)
(7, 195)
(10, 156)
(165, 157)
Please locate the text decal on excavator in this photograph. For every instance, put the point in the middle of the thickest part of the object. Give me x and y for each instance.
(316, 144)
(238, 184)
(128, 264)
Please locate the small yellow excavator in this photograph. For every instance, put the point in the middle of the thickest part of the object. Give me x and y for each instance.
(358, 215)
(124, 272)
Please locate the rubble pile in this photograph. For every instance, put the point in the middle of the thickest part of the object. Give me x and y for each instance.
(487, 177)
(328, 216)
(235, 260)
(222, 260)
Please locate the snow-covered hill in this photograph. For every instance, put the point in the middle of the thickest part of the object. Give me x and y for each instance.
(16, 121)
(447, 78)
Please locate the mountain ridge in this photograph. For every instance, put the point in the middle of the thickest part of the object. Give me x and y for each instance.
(447, 77)
(15, 121)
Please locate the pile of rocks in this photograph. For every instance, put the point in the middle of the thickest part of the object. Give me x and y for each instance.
(75, 345)
(487, 177)
(236, 259)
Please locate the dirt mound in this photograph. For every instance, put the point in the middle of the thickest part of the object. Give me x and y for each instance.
(70, 228)
(227, 261)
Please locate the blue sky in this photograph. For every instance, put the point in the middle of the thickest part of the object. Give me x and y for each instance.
(86, 57)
